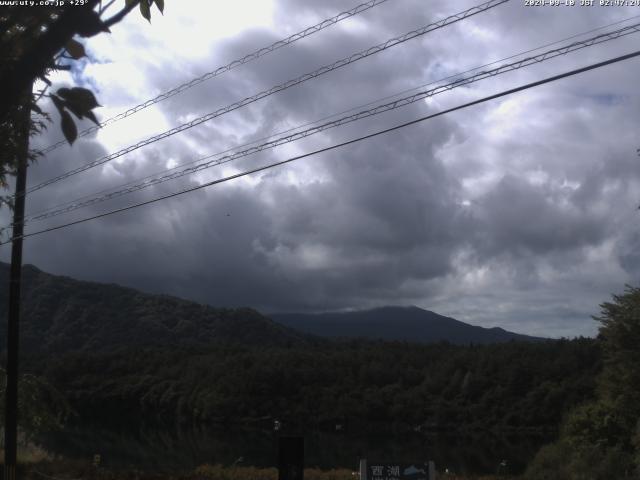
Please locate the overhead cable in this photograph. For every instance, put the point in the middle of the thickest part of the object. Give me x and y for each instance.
(298, 80)
(225, 68)
(339, 145)
(178, 172)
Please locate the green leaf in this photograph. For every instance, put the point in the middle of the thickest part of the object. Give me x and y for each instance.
(85, 96)
(73, 108)
(82, 98)
(160, 5)
(75, 49)
(59, 104)
(145, 10)
(69, 128)
(91, 116)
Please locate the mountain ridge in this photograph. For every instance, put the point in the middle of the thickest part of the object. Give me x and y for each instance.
(61, 314)
(397, 323)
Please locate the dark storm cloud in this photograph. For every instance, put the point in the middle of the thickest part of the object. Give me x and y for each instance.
(520, 216)
(519, 213)
(338, 229)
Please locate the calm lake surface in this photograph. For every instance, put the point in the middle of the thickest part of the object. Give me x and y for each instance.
(154, 449)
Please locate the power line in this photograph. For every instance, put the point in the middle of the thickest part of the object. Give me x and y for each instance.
(303, 78)
(230, 66)
(401, 102)
(339, 145)
(33, 216)
(373, 102)
(616, 34)
(150, 181)
(333, 115)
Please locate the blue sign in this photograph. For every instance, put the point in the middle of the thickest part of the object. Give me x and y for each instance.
(397, 471)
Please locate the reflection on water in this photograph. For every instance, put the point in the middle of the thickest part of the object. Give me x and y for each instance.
(156, 449)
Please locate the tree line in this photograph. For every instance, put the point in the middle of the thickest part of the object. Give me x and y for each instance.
(512, 386)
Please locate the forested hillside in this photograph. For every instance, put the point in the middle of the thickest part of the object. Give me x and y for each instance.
(119, 355)
(60, 314)
(373, 384)
(600, 440)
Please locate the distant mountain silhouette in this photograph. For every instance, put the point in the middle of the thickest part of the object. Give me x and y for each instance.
(60, 314)
(410, 324)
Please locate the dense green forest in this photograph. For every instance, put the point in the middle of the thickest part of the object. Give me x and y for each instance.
(61, 314)
(117, 354)
(104, 354)
(600, 440)
(375, 384)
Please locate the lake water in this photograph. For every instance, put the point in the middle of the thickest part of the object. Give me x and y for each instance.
(156, 449)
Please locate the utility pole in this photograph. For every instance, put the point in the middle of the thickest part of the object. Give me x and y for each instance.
(13, 337)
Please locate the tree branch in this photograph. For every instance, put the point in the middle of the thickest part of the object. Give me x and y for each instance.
(121, 14)
(37, 59)
(106, 7)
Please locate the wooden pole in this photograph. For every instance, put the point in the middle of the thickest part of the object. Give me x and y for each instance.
(11, 392)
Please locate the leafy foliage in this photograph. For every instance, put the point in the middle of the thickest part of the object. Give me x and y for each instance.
(40, 406)
(601, 439)
(145, 7)
(33, 43)
(78, 101)
(620, 335)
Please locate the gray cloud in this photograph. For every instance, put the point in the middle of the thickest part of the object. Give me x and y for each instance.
(520, 213)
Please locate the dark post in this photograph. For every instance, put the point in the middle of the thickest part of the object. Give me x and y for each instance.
(11, 400)
(291, 458)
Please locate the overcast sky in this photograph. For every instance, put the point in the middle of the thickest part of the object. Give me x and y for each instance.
(520, 213)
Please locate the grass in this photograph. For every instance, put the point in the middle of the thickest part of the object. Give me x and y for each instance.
(36, 464)
(207, 472)
(29, 454)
